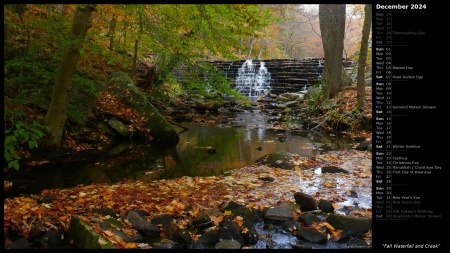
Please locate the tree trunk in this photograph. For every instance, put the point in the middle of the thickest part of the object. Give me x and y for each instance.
(249, 55)
(332, 28)
(56, 114)
(112, 32)
(136, 46)
(360, 86)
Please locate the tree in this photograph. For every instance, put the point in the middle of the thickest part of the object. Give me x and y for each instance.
(360, 89)
(332, 28)
(56, 114)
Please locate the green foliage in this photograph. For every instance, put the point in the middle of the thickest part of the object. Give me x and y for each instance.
(20, 132)
(316, 98)
(205, 79)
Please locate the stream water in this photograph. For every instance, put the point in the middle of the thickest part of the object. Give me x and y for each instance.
(202, 151)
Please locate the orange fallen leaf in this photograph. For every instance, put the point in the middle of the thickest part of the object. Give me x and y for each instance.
(216, 219)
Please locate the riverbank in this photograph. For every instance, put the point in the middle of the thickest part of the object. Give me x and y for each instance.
(184, 199)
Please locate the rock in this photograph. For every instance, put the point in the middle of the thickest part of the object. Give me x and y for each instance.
(300, 246)
(247, 214)
(363, 145)
(141, 224)
(291, 226)
(183, 237)
(277, 160)
(230, 231)
(267, 179)
(349, 224)
(250, 236)
(278, 215)
(333, 169)
(169, 227)
(122, 85)
(21, 243)
(231, 205)
(209, 237)
(228, 244)
(84, 237)
(120, 128)
(325, 206)
(312, 236)
(202, 222)
(105, 212)
(111, 222)
(308, 219)
(307, 202)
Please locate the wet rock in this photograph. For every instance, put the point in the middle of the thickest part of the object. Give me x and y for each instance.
(292, 103)
(349, 224)
(46, 200)
(250, 236)
(247, 214)
(312, 236)
(168, 225)
(136, 238)
(228, 244)
(308, 219)
(202, 222)
(231, 205)
(363, 145)
(267, 179)
(209, 237)
(302, 133)
(84, 237)
(300, 246)
(163, 245)
(21, 243)
(291, 226)
(105, 212)
(276, 160)
(333, 169)
(210, 212)
(141, 224)
(54, 237)
(183, 237)
(306, 201)
(325, 206)
(36, 231)
(230, 231)
(278, 214)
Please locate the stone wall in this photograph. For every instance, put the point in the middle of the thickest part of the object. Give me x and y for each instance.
(288, 75)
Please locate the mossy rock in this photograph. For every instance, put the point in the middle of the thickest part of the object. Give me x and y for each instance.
(84, 237)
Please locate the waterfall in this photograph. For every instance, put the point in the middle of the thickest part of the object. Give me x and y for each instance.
(250, 82)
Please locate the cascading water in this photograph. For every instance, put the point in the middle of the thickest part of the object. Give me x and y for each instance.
(250, 82)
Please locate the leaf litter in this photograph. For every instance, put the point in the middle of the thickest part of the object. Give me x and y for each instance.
(183, 198)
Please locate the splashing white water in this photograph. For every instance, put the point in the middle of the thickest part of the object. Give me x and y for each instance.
(250, 82)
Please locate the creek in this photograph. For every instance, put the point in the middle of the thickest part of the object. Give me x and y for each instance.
(203, 150)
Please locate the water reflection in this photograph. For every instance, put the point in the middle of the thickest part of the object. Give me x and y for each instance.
(234, 147)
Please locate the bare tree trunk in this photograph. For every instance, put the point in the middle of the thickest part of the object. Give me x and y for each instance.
(112, 32)
(251, 47)
(57, 111)
(136, 46)
(360, 86)
(260, 52)
(332, 28)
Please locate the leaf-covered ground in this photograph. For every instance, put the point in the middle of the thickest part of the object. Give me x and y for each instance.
(185, 197)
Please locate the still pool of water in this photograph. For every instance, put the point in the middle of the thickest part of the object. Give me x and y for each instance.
(202, 151)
